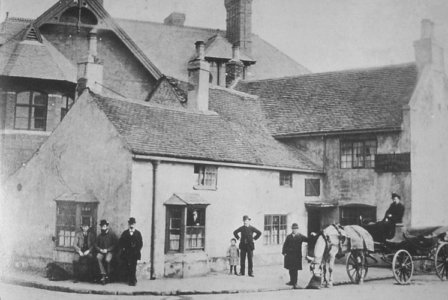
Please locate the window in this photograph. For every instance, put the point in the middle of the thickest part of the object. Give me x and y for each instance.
(358, 154)
(185, 228)
(206, 176)
(69, 217)
(349, 215)
(312, 187)
(31, 111)
(286, 179)
(67, 103)
(274, 229)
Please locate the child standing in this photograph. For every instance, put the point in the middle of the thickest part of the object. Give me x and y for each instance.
(233, 254)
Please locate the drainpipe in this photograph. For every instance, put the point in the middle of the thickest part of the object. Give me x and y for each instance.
(155, 165)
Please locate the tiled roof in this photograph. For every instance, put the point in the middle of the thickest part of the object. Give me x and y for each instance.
(352, 100)
(234, 134)
(32, 59)
(170, 48)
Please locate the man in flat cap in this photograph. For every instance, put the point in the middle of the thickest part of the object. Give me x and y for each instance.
(105, 245)
(395, 211)
(292, 251)
(247, 245)
(83, 244)
(131, 243)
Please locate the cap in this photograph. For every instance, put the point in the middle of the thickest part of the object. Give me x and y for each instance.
(246, 217)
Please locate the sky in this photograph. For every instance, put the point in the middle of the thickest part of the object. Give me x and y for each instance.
(322, 35)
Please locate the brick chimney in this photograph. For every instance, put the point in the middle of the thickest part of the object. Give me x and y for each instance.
(175, 18)
(90, 67)
(198, 80)
(428, 50)
(239, 24)
(235, 67)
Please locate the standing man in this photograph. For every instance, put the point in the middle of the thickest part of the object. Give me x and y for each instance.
(247, 246)
(292, 250)
(395, 211)
(131, 243)
(83, 244)
(105, 244)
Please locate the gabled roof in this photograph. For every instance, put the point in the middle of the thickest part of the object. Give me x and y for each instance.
(220, 48)
(233, 133)
(171, 47)
(109, 22)
(28, 54)
(345, 101)
(186, 199)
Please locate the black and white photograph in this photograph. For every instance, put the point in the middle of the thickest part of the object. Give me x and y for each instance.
(223, 149)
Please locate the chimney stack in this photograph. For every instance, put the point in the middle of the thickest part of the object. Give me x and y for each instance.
(198, 80)
(175, 18)
(428, 50)
(239, 24)
(235, 67)
(90, 68)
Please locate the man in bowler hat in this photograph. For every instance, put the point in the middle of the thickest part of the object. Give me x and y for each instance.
(131, 243)
(247, 245)
(83, 244)
(395, 211)
(292, 250)
(105, 245)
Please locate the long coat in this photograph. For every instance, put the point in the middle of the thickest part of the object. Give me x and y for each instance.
(131, 245)
(247, 237)
(292, 250)
(397, 212)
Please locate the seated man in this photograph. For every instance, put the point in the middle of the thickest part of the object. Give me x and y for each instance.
(104, 245)
(395, 211)
(83, 244)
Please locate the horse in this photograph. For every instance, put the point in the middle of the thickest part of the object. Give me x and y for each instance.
(334, 242)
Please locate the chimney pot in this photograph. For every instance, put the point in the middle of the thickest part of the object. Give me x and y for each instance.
(427, 29)
(427, 49)
(200, 50)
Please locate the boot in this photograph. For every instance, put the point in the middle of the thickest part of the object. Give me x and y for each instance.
(235, 271)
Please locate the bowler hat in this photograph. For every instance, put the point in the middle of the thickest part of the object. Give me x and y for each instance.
(246, 217)
(295, 226)
(103, 222)
(395, 195)
(132, 221)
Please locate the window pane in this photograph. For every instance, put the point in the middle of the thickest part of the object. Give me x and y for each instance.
(358, 154)
(23, 98)
(22, 112)
(370, 151)
(21, 123)
(66, 224)
(39, 99)
(346, 155)
(274, 229)
(195, 237)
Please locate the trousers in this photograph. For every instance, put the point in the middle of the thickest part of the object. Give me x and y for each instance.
(250, 254)
(107, 258)
(77, 261)
(293, 274)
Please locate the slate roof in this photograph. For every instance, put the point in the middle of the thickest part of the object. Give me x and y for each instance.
(234, 134)
(354, 100)
(170, 48)
(32, 59)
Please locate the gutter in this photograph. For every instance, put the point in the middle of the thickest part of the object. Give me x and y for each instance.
(335, 133)
(224, 164)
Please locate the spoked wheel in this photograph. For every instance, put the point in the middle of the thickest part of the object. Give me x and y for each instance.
(441, 261)
(353, 268)
(402, 266)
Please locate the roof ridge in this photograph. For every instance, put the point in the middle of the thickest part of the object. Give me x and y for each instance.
(395, 66)
(156, 105)
(20, 19)
(163, 24)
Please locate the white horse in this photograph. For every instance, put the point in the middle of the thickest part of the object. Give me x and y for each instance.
(333, 241)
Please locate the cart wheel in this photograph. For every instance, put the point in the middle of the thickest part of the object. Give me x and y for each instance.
(353, 270)
(441, 261)
(402, 266)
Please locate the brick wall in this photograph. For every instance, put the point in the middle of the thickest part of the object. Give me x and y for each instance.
(123, 73)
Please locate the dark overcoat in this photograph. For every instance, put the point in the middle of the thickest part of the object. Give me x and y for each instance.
(397, 212)
(131, 245)
(292, 250)
(247, 237)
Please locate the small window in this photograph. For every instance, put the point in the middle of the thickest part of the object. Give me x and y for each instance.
(206, 176)
(67, 103)
(185, 228)
(312, 187)
(69, 217)
(358, 154)
(31, 111)
(274, 229)
(350, 215)
(286, 179)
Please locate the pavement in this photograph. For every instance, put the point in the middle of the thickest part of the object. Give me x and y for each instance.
(267, 278)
